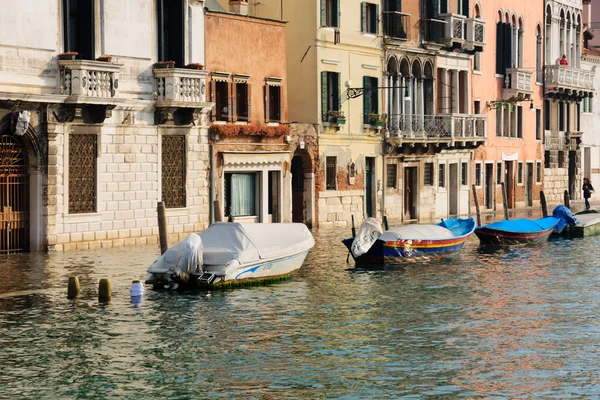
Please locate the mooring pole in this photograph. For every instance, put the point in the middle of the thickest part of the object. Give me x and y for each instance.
(217, 211)
(544, 206)
(162, 227)
(567, 203)
(385, 223)
(505, 201)
(353, 228)
(104, 291)
(73, 288)
(477, 209)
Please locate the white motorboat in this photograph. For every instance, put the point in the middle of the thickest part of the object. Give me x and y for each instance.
(231, 254)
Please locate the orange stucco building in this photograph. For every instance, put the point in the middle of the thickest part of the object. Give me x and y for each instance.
(507, 86)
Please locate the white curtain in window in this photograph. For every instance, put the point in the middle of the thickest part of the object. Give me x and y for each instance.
(242, 194)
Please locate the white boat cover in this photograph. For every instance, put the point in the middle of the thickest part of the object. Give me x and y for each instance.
(368, 233)
(181, 259)
(226, 241)
(417, 232)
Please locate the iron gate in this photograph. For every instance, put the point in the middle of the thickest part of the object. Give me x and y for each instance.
(14, 197)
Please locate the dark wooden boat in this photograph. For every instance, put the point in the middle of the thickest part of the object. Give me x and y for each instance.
(516, 231)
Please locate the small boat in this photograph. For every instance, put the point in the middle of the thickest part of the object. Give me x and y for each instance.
(408, 242)
(229, 254)
(582, 224)
(515, 231)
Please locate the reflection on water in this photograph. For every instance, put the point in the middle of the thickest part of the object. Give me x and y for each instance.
(497, 324)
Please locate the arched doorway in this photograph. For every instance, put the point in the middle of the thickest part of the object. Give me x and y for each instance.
(303, 188)
(14, 196)
(297, 190)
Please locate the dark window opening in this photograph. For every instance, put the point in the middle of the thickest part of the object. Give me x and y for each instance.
(331, 173)
(520, 173)
(477, 174)
(442, 175)
(78, 28)
(538, 124)
(274, 105)
(464, 175)
(330, 94)
(330, 13)
(538, 173)
(222, 100)
(370, 100)
(392, 176)
(519, 122)
(171, 31)
(547, 159)
(241, 101)
(369, 18)
(561, 116)
(561, 159)
(499, 173)
(428, 172)
(547, 115)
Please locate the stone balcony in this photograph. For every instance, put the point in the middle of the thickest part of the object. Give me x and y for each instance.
(454, 29)
(518, 84)
(180, 92)
(89, 82)
(452, 130)
(568, 82)
(475, 34)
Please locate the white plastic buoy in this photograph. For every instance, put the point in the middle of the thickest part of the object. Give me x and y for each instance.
(137, 289)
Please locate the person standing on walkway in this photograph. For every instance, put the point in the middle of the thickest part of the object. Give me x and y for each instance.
(588, 189)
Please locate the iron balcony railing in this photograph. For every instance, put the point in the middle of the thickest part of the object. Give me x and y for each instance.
(441, 126)
(396, 25)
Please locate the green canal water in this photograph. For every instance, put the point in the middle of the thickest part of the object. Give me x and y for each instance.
(521, 323)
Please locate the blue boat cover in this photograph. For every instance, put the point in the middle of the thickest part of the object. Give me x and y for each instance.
(523, 225)
(565, 217)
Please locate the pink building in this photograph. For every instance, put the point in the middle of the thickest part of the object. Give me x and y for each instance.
(507, 87)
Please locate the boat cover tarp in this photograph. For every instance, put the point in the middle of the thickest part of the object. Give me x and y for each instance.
(226, 241)
(368, 233)
(417, 232)
(565, 217)
(180, 259)
(523, 225)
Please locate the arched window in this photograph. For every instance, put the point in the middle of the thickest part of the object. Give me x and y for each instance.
(538, 54)
(477, 11)
(519, 44)
(548, 22)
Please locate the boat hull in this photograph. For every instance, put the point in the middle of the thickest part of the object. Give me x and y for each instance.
(407, 250)
(489, 236)
(228, 276)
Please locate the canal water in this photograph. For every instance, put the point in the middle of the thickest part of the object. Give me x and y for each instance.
(521, 323)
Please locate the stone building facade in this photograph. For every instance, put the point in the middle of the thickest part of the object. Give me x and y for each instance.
(95, 130)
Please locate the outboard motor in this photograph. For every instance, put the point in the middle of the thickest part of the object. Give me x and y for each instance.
(368, 233)
(179, 261)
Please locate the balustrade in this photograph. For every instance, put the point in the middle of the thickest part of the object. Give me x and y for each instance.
(96, 79)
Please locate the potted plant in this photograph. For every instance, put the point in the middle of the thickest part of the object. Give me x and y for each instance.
(164, 64)
(69, 55)
(376, 119)
(336, 117)
(195, 66)
(104, 59)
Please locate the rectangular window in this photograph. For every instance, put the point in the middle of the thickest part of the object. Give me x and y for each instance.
(330, 95)
(392, 176)
(477, 62)
(369, 18)
(173, 170)
(371, 100)
(79, 28)
(561, 116)
(221, 99)
(477, 107)
(331, 173)
(464, 174)
(330, 13)
(506, 121)
(499, 173)
(538, 124)
(520, 122)
(171, 31)
(538, 172)
(442, 175)
(82, 173)
(240, 194)
(561, 156)
(504, 47)
(520, 173)
(478, 174)
(242, 101)
(274, 103)
(547, 115)
(547, 159)
(428, 174)
(499, 116)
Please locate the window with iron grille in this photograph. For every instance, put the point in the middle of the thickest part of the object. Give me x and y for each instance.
(428, 174)
(478, 174)
(442, 175)
(331, 172)
(520, 173)
(464, 174)
(173, 171)
(499, 173)
(392, 176)
(538, 172)
(82, 173)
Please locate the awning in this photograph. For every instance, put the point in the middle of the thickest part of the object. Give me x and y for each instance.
(239, 78)
(274, 81)
(255, 159)
(220, 76)
(510, 156)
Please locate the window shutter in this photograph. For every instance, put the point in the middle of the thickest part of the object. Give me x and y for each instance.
(323, 12)
(213, 99)
(363, 17)
(230, 103)
(375, 105)
(324, 102)
(234, 111)
(281, 118)
(266, 92)
(336, 15)
(249, 101)
(336, 91)
(366, 99)
(499, 50)
(377, 16)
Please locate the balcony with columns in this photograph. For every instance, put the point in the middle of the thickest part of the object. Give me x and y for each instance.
(475, 34)
(563, 81)
(448, 30)
(518, 84)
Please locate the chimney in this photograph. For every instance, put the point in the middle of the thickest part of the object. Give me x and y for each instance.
(238, 7)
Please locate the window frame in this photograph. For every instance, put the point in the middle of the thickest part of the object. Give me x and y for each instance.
(171, 40)
(330, 94)
(369, 18)
(538, 172)
(430, 182)
(499, 172)
(442, 175)
(520, 173)
(330, 162)
(227, 195)
(478, 171)
(392, 169)
(330, 13)
(464, 173)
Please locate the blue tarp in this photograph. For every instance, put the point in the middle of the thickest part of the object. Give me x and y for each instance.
(523, 225)
(565, 217)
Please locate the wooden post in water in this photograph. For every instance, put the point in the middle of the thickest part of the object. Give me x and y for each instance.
(73, 288)
(217, 211)
(567, 203)
(104, 291)
(353, 228)
(505, 201)
(162, 227)
(385, 223)
(477, 209)
(544, 206)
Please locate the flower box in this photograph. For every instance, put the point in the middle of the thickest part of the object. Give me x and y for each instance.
(379, 123)
(195, 66)
(69, 55)
(104, 58)
(339, 120)
(164, 64)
